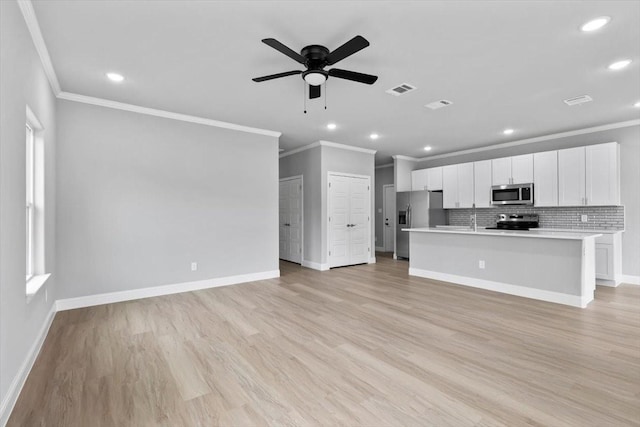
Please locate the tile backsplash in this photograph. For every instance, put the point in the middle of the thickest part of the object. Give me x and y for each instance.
(598, 217)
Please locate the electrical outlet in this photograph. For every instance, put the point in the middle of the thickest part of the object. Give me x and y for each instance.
(194, 266)
(584, 218)
(481, 264)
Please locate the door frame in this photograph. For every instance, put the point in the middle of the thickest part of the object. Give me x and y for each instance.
(290, 178)
(371, 202)
(384, 215)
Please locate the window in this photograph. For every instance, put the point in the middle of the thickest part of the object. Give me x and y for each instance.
(30, 181)
(35, 206)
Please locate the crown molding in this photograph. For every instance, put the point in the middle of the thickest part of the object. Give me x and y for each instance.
(346, 147)
(559, 135)
(327, 144)
(300, 149)
(400, 157)
(36, 35)
(165, 114)
(388, 165)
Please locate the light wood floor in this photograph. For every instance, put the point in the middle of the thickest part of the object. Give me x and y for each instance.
(365, 345)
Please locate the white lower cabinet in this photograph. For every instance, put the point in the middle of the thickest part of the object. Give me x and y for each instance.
(609, 259)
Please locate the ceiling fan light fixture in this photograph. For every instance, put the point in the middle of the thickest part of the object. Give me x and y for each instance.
(315, 78)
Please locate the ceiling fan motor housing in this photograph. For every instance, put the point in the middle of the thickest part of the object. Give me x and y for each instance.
(316, 56)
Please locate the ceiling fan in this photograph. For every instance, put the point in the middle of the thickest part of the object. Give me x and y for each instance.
(315, 58)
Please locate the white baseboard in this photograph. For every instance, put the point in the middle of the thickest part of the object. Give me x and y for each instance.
(630, 280)
(15, 388)
(521, 291)
(91, 300)
(372, 260)
(315, 265)
(379, 248)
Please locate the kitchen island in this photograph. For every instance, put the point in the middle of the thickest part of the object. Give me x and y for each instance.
(552, 266)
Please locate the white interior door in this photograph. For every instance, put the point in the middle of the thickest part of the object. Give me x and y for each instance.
(349, 220)
(295, 220)
(290, 219)
(389, 213)
(359, 213)
(338, 221)
(283, 219)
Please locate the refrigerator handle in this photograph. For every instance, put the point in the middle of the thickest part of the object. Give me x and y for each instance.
(409, 216)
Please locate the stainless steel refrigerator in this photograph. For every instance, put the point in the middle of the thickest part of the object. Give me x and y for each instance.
(417, 209)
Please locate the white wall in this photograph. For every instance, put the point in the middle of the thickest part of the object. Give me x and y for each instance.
(22, 83)
(629, 139)
(402, 167)
(141, 197)
(307, 164)
(352, 162)
(314, 164)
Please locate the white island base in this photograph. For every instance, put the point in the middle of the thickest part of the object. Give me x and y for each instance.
(548, 266)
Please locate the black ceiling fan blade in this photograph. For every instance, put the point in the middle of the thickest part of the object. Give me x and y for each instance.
(284, 49)
(349, 48)
(314, 92)
(352, 75)
(276, 76)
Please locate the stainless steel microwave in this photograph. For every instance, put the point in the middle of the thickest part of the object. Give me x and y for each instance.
(512, 194)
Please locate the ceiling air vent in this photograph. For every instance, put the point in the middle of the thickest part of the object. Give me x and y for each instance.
(439, 104)
(401, 89)
(578, 100)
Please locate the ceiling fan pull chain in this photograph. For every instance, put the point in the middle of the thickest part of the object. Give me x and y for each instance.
(304, 95)
(326, 84)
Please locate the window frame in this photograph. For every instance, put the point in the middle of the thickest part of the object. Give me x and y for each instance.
(35, 206)
(30, 199)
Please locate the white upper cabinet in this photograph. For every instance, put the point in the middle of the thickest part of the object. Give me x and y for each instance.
(457, 186)
(589, 175)
(450, 187)
(545, 178)
(434, 179)
(522, 169)
(427, 179)
(465, 185)
(512, 170)
(571, 177)
(602, 174)
(419, 180)
(482, 183)
(501, 171)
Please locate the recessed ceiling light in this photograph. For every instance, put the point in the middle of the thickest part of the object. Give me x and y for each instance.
(507, 131)
(427, 148)
(595, 24)
(374, 136)
(619, 65)
(115, 77)
(331, 126)
(637, 104)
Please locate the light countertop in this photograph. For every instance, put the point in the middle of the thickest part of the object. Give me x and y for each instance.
(533, 233)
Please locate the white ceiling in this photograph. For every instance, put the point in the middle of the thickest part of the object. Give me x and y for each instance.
(503, 64)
